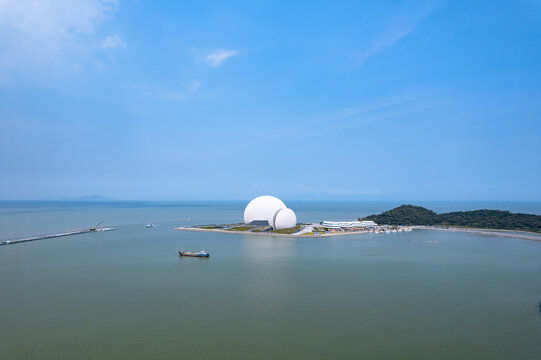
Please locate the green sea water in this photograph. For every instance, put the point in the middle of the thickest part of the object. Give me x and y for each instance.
(126, 294)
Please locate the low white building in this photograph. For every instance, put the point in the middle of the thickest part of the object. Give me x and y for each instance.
(365, 223)
(339, 225)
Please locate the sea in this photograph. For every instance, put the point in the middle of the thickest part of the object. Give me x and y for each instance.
(126, 294)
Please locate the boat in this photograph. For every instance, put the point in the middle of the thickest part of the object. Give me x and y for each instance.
(150, 226)
(95, 228)
(202, 253)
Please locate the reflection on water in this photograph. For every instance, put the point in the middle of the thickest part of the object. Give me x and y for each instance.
(267, 246)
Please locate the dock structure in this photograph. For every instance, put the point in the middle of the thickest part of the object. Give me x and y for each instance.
(50, 236)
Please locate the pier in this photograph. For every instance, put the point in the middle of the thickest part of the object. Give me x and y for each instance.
(50, 236)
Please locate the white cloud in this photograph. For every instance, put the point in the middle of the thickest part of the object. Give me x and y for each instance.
(40, 33)
(113, 42)
(217, 57)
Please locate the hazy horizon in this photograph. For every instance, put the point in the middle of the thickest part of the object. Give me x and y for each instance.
(106, 199)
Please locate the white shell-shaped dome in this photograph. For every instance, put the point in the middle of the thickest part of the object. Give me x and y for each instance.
(284, 219)
(262, 208)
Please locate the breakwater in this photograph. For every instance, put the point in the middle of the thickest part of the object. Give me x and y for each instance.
(50, 236)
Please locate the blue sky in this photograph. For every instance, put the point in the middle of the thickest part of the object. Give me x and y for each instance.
(315, 100)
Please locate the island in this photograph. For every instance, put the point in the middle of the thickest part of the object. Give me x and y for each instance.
(477, 219)
(267, 215)
(304, 230)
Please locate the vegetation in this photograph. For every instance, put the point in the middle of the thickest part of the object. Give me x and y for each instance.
(240, 228)
(288, 230)
(485, 219)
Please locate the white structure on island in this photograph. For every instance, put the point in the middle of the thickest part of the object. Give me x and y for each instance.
(337, 225)
(269, 211)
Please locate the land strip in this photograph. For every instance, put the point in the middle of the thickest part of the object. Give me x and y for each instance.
(269, 233)
(489, 232)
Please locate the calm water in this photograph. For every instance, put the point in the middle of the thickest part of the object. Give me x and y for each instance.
(126, 294)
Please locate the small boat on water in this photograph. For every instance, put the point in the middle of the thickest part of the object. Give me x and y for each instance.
(150, 226)
(202, 253)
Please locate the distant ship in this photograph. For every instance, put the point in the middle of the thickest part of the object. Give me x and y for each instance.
(150, 226)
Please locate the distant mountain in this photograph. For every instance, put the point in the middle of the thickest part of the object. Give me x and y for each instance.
(95, 197)
(485, 219)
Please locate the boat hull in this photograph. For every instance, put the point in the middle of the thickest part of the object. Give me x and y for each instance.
(188, 254)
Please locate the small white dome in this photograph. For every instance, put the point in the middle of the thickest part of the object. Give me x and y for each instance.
(262, 208)
(284, 219)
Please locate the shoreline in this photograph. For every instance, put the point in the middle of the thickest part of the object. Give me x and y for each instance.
(270, 233)
(490, 232)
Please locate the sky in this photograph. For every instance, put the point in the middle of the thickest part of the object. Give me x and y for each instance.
(305, 100)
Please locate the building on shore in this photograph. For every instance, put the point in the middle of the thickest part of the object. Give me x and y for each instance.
(348, 225)
(269, 211)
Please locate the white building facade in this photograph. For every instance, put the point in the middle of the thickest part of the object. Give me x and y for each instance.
(344, 225)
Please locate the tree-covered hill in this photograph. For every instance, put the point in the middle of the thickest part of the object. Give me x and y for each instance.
(486, 219)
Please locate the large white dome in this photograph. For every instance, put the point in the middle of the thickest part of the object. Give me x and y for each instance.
(284, 219)
(262, 208)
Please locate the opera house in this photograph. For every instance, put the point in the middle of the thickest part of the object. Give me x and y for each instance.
(269, 211)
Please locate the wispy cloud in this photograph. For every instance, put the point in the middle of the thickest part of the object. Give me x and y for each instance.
(113, 42)
(40, 34)
(396, 28)
(219, 56)
(380, 44)
(194, 86)
(372, 114)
